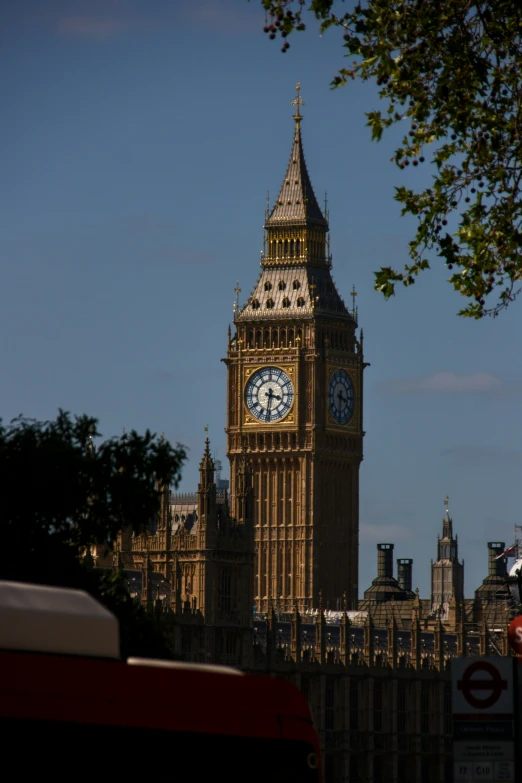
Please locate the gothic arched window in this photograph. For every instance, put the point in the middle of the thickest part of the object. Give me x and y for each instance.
(268, 286)
(296, 284)
(300, 302)
(286, 302)
(282, 285)
(255, 304)
(269, 304)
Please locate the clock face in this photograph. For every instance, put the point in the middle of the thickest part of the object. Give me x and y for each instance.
(341, 397)
(269, 394)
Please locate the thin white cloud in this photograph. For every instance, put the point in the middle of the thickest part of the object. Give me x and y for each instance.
(445, 382)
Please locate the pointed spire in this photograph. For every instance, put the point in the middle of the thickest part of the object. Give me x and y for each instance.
(206, 470)
(296, 203)
(207, 463)
(244, 492)
(447, 522)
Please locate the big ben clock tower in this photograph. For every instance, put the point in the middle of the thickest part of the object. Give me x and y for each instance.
(295, 382)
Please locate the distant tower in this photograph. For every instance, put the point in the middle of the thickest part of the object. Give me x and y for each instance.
(447, 573)
(295, 370)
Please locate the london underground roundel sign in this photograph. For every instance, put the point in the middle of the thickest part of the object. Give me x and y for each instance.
(486, 691)
(515, 636)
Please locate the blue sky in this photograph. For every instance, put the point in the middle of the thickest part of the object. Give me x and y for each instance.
(137, 143)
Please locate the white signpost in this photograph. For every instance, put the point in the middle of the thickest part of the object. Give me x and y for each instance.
(483, 704)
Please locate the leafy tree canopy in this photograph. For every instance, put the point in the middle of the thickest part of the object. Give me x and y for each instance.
(60, 494)
(450, 71)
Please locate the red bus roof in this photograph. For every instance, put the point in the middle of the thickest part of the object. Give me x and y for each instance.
(49, 687)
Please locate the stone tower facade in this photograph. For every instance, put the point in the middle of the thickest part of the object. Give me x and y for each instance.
(447, 573)
(295, 390)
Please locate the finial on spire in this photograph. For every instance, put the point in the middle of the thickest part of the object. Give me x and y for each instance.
(353, 295)
(206, 454)
(238, 291)
(297, 102)
(446, 502)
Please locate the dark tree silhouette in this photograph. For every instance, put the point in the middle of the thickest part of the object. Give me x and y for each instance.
(449, 72)
(60, 494)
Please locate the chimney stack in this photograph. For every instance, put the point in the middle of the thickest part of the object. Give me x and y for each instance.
(385, 560)
(404, 573)
(496, 567)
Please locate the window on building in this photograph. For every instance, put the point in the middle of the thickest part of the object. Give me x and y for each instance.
(329, 705)
(377, 705)
(286, 302)
(255, 304)
(224, 591)
(401, 708)
(296, 284)
(354, 706)
(282, 285)
(269, 304)
(300, 301)
(268, 286)
(448, 723)
(425, 711)
(231, 643)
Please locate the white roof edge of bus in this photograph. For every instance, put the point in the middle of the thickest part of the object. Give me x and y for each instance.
(37, 618)
(181, 665)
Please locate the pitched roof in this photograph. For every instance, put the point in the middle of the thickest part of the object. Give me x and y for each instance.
(296, 203)
(293, 292)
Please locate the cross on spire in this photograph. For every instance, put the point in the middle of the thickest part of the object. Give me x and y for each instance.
(353, 295)
(297, 102)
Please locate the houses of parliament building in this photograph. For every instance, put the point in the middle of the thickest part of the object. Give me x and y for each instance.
(264, 576)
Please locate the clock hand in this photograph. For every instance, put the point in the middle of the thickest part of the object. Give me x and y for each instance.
(270, 396)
